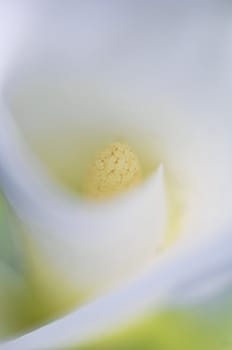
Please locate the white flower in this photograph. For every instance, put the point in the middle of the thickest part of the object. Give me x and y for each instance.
(92, 75)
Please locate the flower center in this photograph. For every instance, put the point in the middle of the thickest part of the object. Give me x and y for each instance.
(115, 169)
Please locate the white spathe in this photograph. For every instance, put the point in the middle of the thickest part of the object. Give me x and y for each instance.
(170, 81)
(95, 245)
(174, 278)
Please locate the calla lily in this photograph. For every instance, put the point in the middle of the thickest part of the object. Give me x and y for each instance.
(80, 77)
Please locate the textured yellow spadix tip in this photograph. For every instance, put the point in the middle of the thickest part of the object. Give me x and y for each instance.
(115, 169)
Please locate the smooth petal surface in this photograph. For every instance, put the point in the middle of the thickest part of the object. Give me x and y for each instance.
(163, 82)
(94, 245)
(169, 86)
(173, 275)
(11, 36)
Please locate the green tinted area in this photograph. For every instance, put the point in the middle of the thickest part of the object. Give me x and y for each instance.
(173, 330)
(30, 294)
(13, 286)
(22, 306)
(5, 239)
(10, 247)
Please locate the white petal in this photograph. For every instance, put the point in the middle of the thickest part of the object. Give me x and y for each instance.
(94, 245)
(14, 22)
(169, 88)
(165, 283)
(197, 153)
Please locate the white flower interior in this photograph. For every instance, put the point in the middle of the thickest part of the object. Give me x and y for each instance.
(156, 96)
(94, 247)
